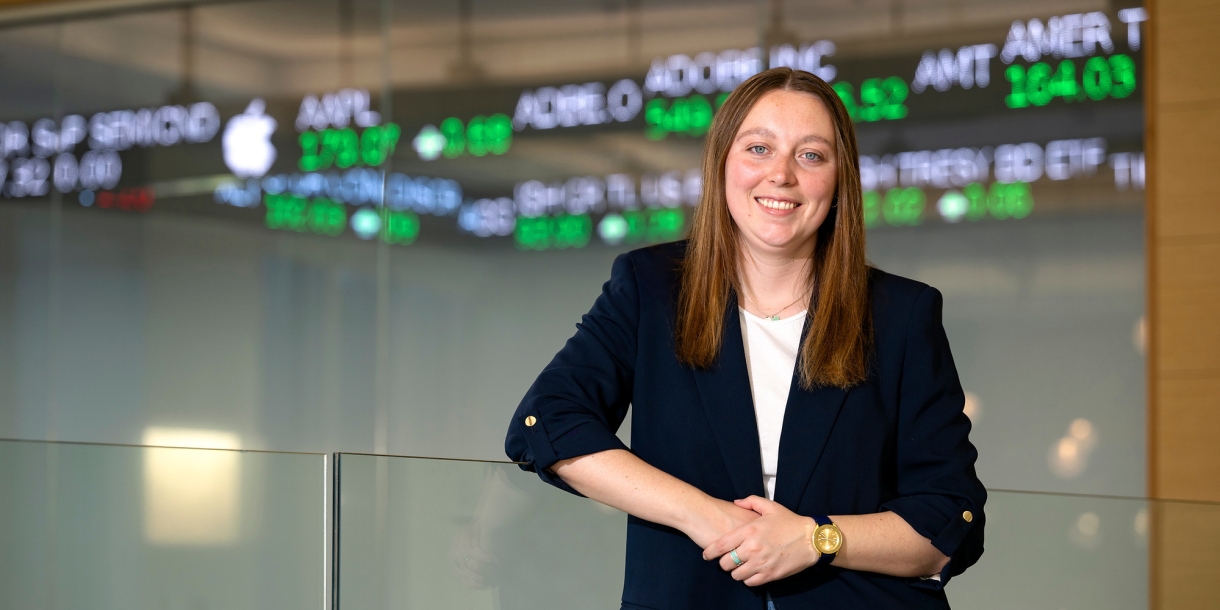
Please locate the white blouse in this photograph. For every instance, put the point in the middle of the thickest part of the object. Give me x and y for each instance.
(771, 350)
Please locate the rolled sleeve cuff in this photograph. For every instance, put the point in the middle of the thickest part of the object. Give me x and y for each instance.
(942, 520)
(582, 439)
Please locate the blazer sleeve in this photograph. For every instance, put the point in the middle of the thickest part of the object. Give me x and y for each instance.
(580, 399)
(939, 494)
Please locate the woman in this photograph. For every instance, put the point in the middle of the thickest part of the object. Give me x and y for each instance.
(798, 439)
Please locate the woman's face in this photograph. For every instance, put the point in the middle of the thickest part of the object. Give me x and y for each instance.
(781, 174)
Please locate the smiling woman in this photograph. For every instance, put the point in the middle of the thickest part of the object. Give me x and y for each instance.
(798, 432)
(780, 157)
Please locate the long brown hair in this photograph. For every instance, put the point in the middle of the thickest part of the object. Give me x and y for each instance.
(840, 334)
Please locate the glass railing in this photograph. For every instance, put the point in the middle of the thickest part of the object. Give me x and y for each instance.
(100, 527)
(441, 534)
(1054, 551)
(130, 527)
(450, 534)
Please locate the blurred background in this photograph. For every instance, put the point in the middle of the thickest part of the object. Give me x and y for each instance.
(364, 226)
(354, 225)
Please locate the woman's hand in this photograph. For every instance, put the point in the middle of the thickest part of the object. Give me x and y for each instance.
(717, 519)
(776, 545)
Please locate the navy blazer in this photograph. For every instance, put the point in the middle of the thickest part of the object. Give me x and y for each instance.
(897, 442)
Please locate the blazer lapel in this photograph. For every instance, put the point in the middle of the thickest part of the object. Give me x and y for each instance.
(808, 420)
(725, 390)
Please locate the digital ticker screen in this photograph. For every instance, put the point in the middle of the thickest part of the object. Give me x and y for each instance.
(1044, 119)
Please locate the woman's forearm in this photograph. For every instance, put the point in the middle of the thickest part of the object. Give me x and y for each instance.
(880, 542)
(622, 480)
(778, 545)
(885, 543)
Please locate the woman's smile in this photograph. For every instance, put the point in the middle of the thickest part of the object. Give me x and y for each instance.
(779, 206)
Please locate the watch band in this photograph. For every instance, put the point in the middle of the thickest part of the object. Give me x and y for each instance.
(824, 559)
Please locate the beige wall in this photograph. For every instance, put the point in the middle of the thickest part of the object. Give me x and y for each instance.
(1183, 108)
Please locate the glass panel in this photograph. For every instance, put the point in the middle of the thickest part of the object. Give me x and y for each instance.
(119, 76)
(418, 532)
(120, 527)
(289, 307)
(29, 229)
(427, 533)
(1053, 551)
(473, 318)
(146, 258)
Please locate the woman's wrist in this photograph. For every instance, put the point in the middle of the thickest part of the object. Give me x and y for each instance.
(710, 518)
(812, 555)
(703, 523)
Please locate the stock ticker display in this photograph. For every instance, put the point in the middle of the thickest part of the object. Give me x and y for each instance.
(1047, 119)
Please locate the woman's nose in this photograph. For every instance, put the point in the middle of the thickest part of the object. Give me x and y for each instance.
(781, 172)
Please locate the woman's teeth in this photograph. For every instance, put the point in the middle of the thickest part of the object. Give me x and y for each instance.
(775, 204)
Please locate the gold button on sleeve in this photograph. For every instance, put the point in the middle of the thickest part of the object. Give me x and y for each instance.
(968, 516)
(530, 420)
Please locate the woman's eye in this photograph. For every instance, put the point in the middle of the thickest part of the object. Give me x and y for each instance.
(811, 156)
(758, 149)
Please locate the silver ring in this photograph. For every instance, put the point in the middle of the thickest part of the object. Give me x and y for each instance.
(737, 560)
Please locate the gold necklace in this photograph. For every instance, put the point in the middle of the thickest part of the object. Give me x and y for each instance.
(775, 316)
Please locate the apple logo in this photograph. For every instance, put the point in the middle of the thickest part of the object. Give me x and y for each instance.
(248, 150)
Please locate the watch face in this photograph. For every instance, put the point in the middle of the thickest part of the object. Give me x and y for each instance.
(827, 539)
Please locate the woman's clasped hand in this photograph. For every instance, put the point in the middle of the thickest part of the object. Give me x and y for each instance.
(773, 546)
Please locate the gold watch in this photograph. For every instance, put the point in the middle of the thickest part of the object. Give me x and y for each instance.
(827, 539)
